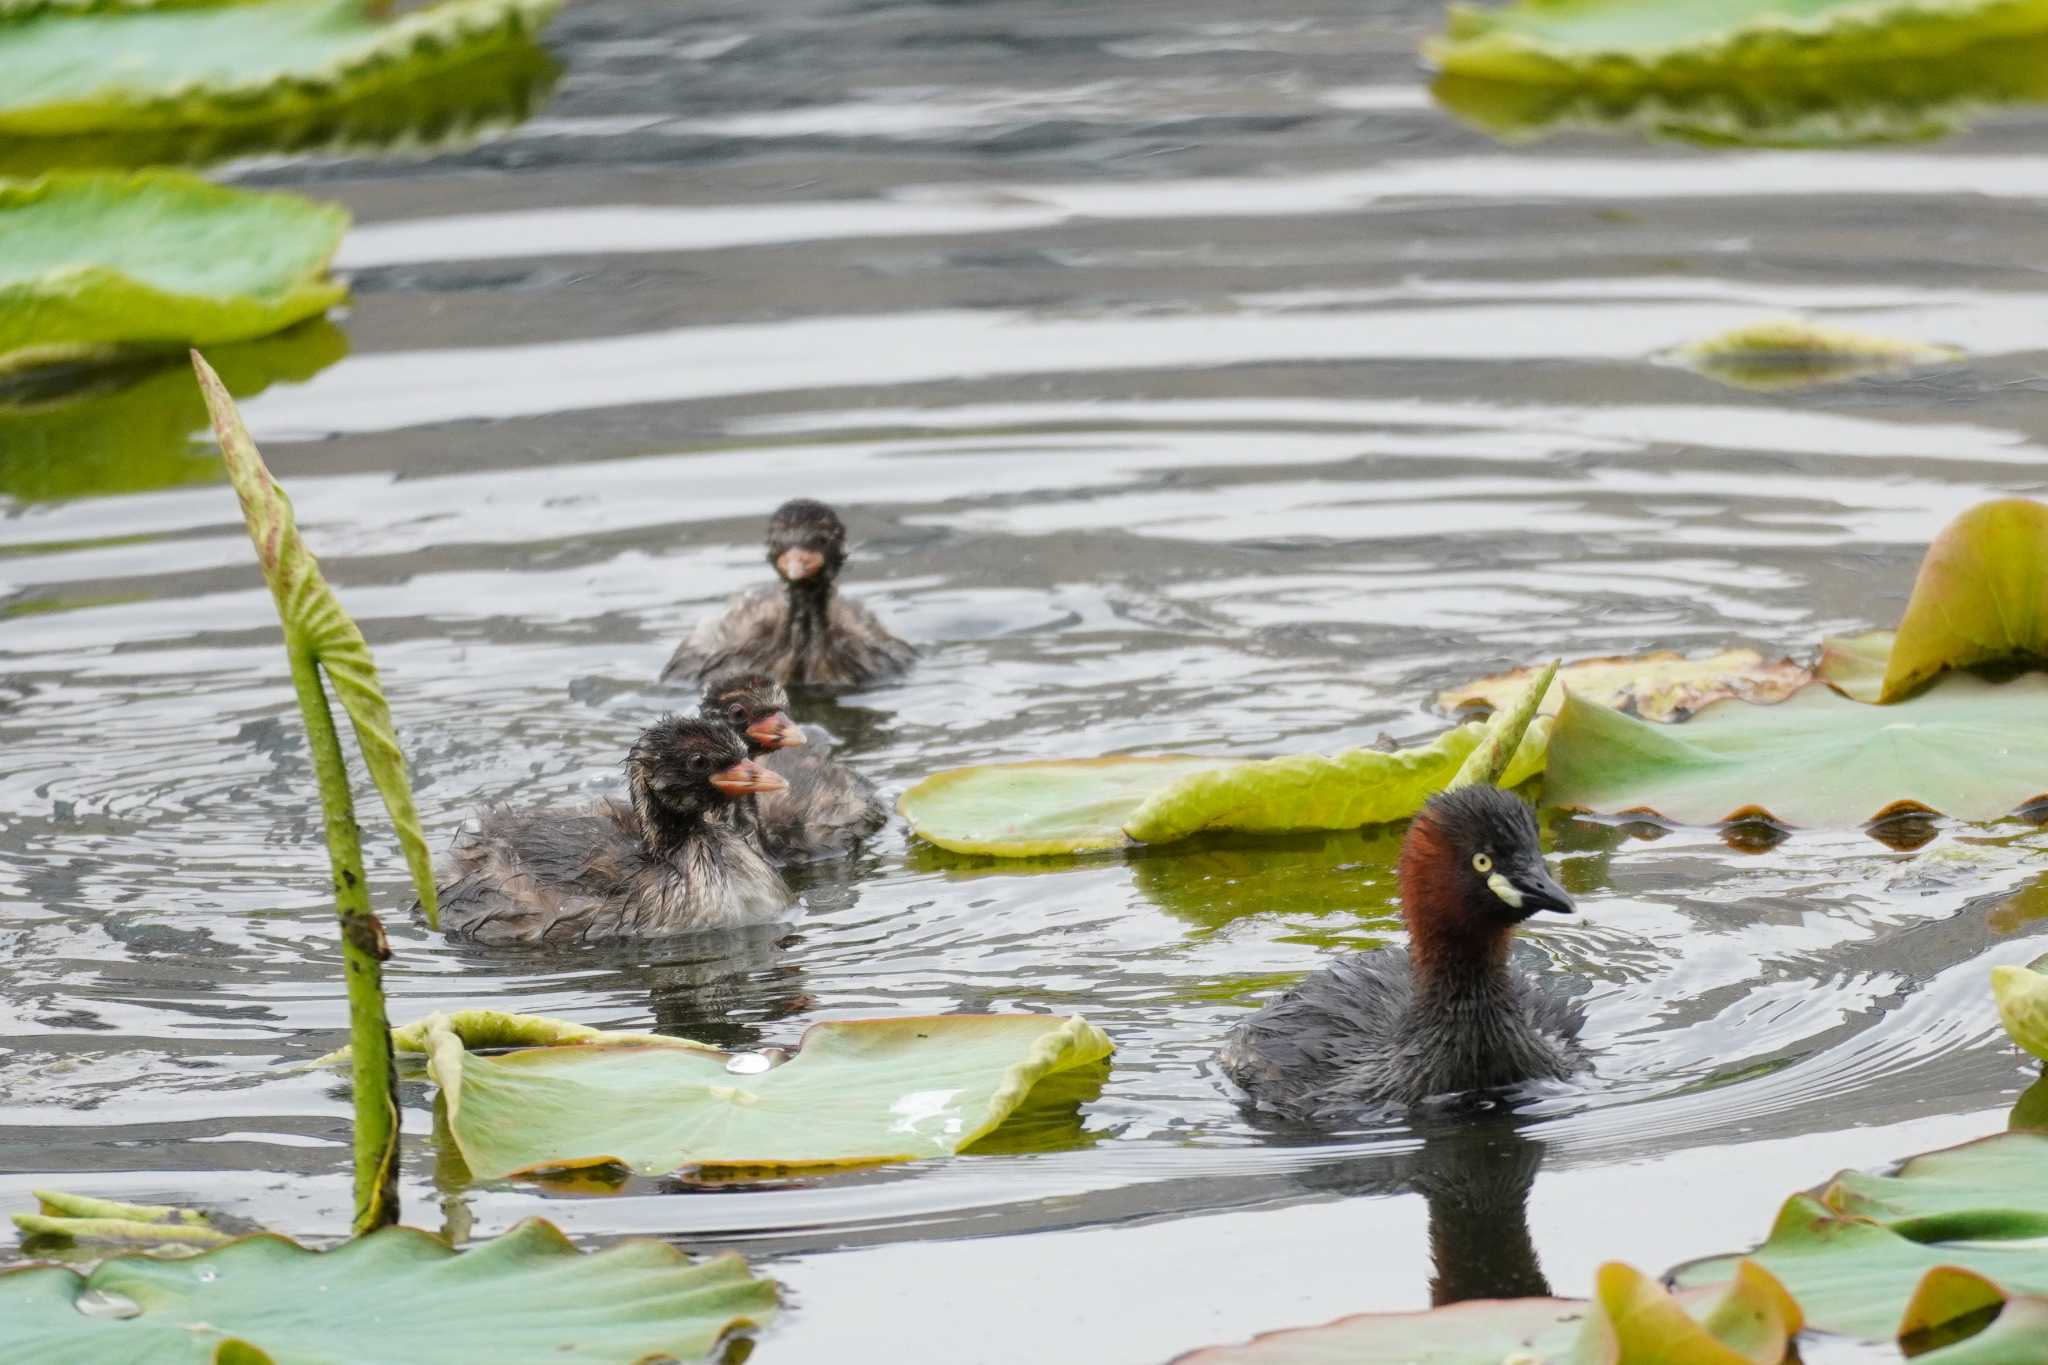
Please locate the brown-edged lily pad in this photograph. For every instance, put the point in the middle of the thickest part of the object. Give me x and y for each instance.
(854, 1092)
(1967, 748)
(1663, 685)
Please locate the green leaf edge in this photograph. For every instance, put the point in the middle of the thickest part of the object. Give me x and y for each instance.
(1483, 44)
(1075, 1043)
(410, 48)
(529, 1237)
(218, 318)
(315, 622)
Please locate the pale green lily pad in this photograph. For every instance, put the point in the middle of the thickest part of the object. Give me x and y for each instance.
(1790, 353)
(2022, 996)
(1679, 44)
(1630, 1318)
(139, 428)
(1966, 748)
(153, 67)
(527, 1298)
(855, 1092)
(92, 264)
(1853, 1252)
(1024, 810)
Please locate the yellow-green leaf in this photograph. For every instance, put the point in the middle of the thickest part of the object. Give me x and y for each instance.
(2022, 996)
(1981, 596)
(1769, 357)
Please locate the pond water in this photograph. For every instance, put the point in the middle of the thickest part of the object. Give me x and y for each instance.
(1190, 383)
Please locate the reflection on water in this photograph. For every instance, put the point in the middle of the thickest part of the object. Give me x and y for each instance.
(1206, 391)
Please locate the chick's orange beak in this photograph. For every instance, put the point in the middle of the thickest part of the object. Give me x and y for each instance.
(747, 778)
(775, 731)
(797, 564)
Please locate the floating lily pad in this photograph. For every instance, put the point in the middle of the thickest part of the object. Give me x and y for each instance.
(527, 1298)
(1853, 1252)
(1966, 748)
(855, 1092)
(138, 427)
(1624, 43)
(1664, 685)
(1630, 1318)
(95, 263)
(1024, 810)
(1769, 357)
(1910, 100)
(206, 64)
(2022, 995)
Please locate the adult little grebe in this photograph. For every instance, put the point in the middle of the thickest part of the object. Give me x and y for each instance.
(1447, 1013)
(679, 855)
(827, 808)
(805, 633)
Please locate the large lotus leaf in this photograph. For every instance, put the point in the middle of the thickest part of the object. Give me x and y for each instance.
(136, 431)
(1664, 685)
(1828, 106)
(527, 1298)
(1630, 1320)
(856, 1091)
(152, 67)
(1770, 357)
(1853, 1252)
(1693, 43)
(1969, 748)
(94, 262)
(445, 108)
(1038, 809)
(2022, 995)
(1945, 1324)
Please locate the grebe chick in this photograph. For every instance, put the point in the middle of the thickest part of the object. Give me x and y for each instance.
(803, 633)
(828, 808)
(1445, 1014)
(677, 856)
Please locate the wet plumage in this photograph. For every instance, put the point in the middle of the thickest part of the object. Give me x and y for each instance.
(827, 808)
(800, 631)
(678, 855)
(1448, 1013)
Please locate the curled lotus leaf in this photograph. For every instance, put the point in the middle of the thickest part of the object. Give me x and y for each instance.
(2022, 996)
(525, 1298)
(1769, 357)
(855, 1092)
(1958, 1317)
(208, 64)
(1662, 685)
(1625, 44)
(1966, 748)
(95, 263)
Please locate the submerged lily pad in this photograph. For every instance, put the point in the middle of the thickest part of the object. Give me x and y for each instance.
(1664, 685)
(526, 1298)
(855, 1092)
(1967, 748)
(1024, 810)
(1630, 1318)
(76, 69)
(1769, 357)
(92, 264)
(1853, 1252)
(139, 427)
(1623, 43)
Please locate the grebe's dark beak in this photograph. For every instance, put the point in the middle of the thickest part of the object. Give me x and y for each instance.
(1538, 890)
(797, 564)
(747, 778)
(775, 731)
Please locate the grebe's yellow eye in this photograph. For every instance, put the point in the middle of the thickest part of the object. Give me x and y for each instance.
(1482, 863)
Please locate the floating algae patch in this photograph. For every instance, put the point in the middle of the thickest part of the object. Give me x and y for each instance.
(94, 264)
(1788, 353)
(70, 69)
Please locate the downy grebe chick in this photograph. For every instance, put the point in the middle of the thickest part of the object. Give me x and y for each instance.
(805, 633)
(828, 808)
(679, 855)
(1447, 1013)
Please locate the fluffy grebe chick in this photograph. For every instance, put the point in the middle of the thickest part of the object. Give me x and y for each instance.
(827, 808)
(1448, 1012)
(677, 856)
(803, 632)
